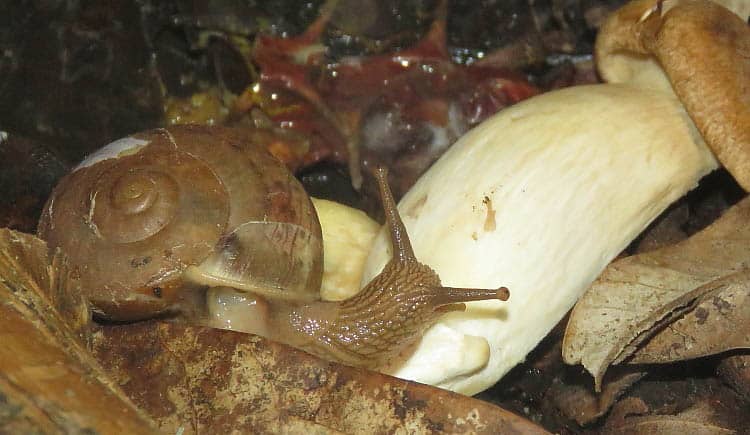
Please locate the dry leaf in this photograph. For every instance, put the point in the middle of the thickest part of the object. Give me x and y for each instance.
(698, 420)
(637, 295)
(194, 379)
(43, 282)
(666, 425)
(577, 402)
(49, 382)
(718, 323)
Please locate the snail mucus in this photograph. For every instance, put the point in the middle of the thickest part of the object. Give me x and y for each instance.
(178, 211)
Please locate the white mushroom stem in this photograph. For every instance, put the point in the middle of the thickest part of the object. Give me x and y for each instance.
(539, 198)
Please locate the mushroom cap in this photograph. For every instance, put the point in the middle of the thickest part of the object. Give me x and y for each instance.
(142, 211)
(702, 49)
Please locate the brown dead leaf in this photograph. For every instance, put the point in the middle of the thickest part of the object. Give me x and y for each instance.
(627, 419)
(637, 296)
(49, 382)
(193, 379)
(43, 282)
(719, 322)
(577, 402)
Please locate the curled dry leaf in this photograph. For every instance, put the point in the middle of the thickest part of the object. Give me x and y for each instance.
(49, 382)
(636, 296)
(200, 380)
(720, 321)
(577, 402)
(627, 419)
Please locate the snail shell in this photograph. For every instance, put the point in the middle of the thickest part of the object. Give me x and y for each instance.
(157, 204)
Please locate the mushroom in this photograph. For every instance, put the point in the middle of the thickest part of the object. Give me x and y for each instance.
(545, 194)
(716, 93)
(698, 49)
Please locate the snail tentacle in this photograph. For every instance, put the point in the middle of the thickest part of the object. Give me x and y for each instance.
(402, 250)
(452, 295)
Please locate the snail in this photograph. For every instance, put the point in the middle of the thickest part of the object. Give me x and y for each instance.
(152, 216)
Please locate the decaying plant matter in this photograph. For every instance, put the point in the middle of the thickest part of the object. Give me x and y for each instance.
(628, 418)
(689, 299)
(49, 382)
(202, 380)
(735, 370)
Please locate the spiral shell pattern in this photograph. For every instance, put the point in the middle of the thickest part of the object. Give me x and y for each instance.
(139, 213)
(135, 221)
(135, 205)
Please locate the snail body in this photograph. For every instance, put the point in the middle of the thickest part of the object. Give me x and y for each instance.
(153, 216)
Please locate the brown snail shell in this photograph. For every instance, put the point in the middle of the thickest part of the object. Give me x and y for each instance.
(140, 212)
